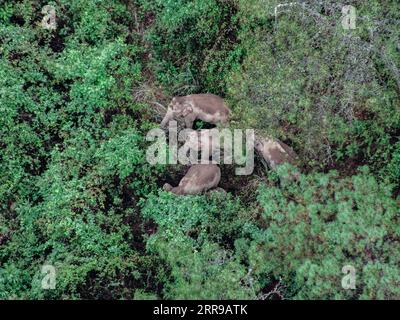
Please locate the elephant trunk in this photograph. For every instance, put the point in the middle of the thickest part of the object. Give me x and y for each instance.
(167, 187)
(167, 118)
(177, 190)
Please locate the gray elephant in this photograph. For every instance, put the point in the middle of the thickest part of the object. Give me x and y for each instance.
(199, 178)
(275, 152)
(207, 107)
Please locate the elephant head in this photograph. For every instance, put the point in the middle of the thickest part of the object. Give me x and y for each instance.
(275, 152)
(177, 108)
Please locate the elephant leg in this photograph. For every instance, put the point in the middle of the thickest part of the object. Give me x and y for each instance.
(189, 122)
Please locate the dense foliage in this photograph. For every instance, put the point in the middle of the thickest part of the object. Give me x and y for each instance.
(322, 224)
(77, 193)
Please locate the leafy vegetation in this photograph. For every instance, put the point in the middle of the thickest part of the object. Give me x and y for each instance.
(322, 224)
(77, 193)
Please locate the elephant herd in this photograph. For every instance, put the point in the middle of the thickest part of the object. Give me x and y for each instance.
(212, 109)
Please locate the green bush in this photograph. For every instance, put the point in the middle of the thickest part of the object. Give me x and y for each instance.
(193, 43)
(196, 238)
(317, 226)
(72, 154)
(79, 223)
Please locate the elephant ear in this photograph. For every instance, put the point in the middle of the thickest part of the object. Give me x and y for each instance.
(258, 144)
(187, 109)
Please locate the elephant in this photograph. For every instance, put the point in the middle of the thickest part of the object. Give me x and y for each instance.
(198, 179)
(275, 152)
(207, 107)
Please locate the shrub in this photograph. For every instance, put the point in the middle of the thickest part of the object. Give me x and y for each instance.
(193, 43)
(79, 223)
(72, 154)
(196, 238)
(318, 226)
